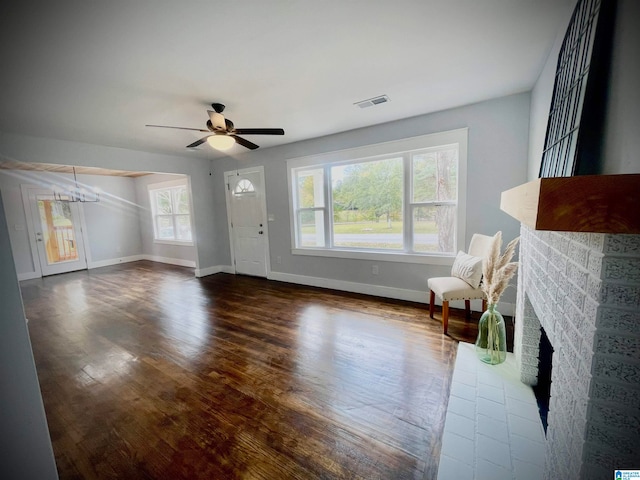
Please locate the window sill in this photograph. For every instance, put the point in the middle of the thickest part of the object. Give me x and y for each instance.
(398, 257)
(173, 242)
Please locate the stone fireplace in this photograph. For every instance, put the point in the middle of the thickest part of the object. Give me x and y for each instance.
(583, 289)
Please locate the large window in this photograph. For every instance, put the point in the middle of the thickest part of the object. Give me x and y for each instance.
(398, 198)
(171, 212)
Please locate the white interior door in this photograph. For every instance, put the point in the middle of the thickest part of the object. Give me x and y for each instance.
(58, 238)
(246, 207)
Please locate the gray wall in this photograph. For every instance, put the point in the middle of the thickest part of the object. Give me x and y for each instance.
(113, 227)
(25, 443)
(622, 132)
(41, 150)
(497, 161)
(16, 219)
(622, 122)
(177, 252)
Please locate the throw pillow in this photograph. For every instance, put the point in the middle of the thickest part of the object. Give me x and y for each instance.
(468, 268)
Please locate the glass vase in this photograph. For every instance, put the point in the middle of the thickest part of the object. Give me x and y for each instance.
(491, 345)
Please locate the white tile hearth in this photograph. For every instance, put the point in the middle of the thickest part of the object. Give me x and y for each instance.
(492, 429)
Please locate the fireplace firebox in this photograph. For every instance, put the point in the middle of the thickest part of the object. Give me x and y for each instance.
(542, 390)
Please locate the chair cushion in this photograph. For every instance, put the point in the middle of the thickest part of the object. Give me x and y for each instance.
(468, 268)
(453, 288)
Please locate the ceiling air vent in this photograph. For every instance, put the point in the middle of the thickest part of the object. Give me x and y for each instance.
(372, 101)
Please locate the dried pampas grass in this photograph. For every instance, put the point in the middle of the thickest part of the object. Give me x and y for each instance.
(498, 269)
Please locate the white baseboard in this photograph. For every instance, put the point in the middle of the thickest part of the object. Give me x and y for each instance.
(203, 272)
(28, 276)
(134, 258)
(380, 291)
(504, 308)
(507, 309)
(417, 296)
(376, 290)
(171, 261)
(114, 261)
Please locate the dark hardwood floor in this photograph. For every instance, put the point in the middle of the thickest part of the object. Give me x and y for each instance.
(148, 372)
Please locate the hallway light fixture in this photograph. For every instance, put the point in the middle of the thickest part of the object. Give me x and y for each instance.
(77, 194)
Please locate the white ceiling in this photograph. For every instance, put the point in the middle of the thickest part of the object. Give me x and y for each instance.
(98, 71)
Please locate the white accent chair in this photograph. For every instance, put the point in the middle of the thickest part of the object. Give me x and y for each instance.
(453, 288)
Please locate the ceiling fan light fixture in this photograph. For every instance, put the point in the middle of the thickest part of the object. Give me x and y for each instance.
(221, 142)
(221, 132)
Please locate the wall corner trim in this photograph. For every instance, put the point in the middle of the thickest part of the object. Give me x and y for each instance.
(28, 276)
(203, 272)
(114, 261)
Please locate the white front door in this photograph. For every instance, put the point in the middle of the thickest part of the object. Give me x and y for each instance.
(58, 238)
(246, 208)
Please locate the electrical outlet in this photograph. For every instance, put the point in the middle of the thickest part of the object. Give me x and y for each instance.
(278, 259)
(374, 269)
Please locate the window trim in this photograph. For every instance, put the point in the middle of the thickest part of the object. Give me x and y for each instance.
(248, 191)
(183, 182)
(370, 152)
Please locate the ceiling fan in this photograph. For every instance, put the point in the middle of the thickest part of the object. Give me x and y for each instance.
(222, 133)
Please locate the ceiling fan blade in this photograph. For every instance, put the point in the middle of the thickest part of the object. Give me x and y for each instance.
(179, 128)
(198, 142)
(217, 120)
(244, 142)
(259, 131)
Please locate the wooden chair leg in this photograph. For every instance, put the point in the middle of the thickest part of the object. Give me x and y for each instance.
(445, 316)
(484, 305)
(467, 309)
(432, 301)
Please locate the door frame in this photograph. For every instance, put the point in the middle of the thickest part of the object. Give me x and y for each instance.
(260, 171)
(26, 190)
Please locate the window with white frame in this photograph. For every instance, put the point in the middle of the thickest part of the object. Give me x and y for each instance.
(403, 198)
(171, 212)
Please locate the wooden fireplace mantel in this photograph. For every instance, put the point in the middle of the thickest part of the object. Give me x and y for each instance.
(585, 203)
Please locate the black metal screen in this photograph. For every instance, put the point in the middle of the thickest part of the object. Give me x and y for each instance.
(575, 89)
